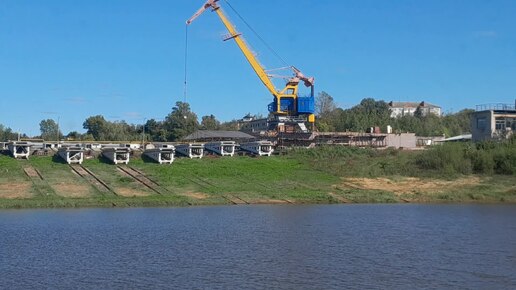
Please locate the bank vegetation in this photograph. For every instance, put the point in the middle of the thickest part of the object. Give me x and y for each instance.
(457, 173)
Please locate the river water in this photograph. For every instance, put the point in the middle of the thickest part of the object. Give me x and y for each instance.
(263, 247)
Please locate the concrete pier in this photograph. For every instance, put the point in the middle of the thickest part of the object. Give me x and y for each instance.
(190, 150)
(93, 146)
(164, 154)
(222, 148)
(72, 155)
(117, 155)
(260, 148)
(19, 149)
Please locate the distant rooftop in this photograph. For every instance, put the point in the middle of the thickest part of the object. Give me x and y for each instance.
(412, 105)
(463, 137)
(496, 106)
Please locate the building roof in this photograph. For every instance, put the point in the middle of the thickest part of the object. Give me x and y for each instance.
(412, 105)
(496, 107)
(464, 137)
(212, 134)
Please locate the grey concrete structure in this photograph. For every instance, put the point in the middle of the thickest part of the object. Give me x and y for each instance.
(402, 140)
(53, 145)
(222, 148)
(163, 155)
(93, 146)
(132, 146)
(190, 150)
(428, 141)
(19, 149)
(260, 148)
(72, 155)
(117, 155)
(494, 123)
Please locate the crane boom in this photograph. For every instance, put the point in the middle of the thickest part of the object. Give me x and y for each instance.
(233, 34)
(258, 69)
(286, 100)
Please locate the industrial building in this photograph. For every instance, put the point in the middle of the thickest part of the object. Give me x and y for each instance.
(493, 122)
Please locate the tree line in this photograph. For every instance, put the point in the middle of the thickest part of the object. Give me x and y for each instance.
(181, 121)
(376, 113)
(7, 133)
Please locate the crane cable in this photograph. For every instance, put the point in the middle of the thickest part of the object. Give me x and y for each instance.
(257, 35)
(186, 62)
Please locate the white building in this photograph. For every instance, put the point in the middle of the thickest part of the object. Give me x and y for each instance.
(399, 109)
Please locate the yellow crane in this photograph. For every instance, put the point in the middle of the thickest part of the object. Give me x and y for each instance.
(287, 105)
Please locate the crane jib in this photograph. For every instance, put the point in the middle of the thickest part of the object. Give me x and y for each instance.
(286, 102)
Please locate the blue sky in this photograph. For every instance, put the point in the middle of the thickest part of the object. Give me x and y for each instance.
(124, 59)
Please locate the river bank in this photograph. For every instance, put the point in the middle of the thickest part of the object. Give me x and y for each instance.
(305, 177)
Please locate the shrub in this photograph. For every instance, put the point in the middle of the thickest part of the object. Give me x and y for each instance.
(482, 162)
(448, 158)
(465, 158)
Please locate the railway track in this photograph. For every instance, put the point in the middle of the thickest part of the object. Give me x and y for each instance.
(208, 185)
(32, 173)
(139, 177)
(93, 179)
(39, 183)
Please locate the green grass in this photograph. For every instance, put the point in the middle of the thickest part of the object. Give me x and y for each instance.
(10, 169)
(300, 176)
(251, 178)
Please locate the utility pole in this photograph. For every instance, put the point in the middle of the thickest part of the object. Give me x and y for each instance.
(57, 133)
(143, 133)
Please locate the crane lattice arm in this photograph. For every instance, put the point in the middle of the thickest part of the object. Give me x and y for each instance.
(233, 34)
(285, 100)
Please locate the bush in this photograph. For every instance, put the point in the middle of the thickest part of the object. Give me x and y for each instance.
(482, 162)
(505, 161)
(448, 158)
(466, 158)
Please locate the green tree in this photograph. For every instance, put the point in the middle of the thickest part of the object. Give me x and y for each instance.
(210, 123)
(156, 130)
(230, 125)
(419, 112)
(458, 123)
(7, 134)
(49, 130)
(96, 126)
(180, 122)
(102, 130)
(324, 104)
(74, 136)
(369, 113)
(119, 131)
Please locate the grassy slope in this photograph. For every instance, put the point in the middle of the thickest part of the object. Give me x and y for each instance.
(396, 165)
(248, 178)
(305, 176)
(252, 179)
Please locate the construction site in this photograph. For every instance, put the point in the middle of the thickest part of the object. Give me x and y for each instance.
(291, 123)
(291, 120)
